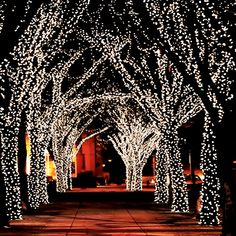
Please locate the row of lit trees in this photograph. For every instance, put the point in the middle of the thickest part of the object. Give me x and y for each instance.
(38, 57)
(195, 37)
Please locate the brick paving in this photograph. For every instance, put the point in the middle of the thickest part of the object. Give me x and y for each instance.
(107, 212)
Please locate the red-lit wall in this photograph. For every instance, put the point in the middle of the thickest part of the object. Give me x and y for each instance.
(86, 157)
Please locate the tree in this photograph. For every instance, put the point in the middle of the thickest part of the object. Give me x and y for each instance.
(135, 141)
(67, 128)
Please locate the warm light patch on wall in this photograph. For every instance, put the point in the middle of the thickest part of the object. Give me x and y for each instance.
(50, 166)
(74, 163)
(27, 143)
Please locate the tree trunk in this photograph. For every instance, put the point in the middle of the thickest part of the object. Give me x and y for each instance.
(61, 177)
(178, 185)
(9, 170)
(134, 177)
(37, 183)
(210, 192)
(129, 176)
(138, 180)
(161, 194)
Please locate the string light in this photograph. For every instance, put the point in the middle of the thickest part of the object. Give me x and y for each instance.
(2, 14)
(42, 55)
(161, 193)
(210, 192)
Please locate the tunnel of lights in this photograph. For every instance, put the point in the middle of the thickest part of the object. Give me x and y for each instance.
(140, 68)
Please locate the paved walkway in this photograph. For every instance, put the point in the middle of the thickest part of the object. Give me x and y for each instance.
(106, 212)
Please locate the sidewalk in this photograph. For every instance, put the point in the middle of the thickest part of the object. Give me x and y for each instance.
(106, 212)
